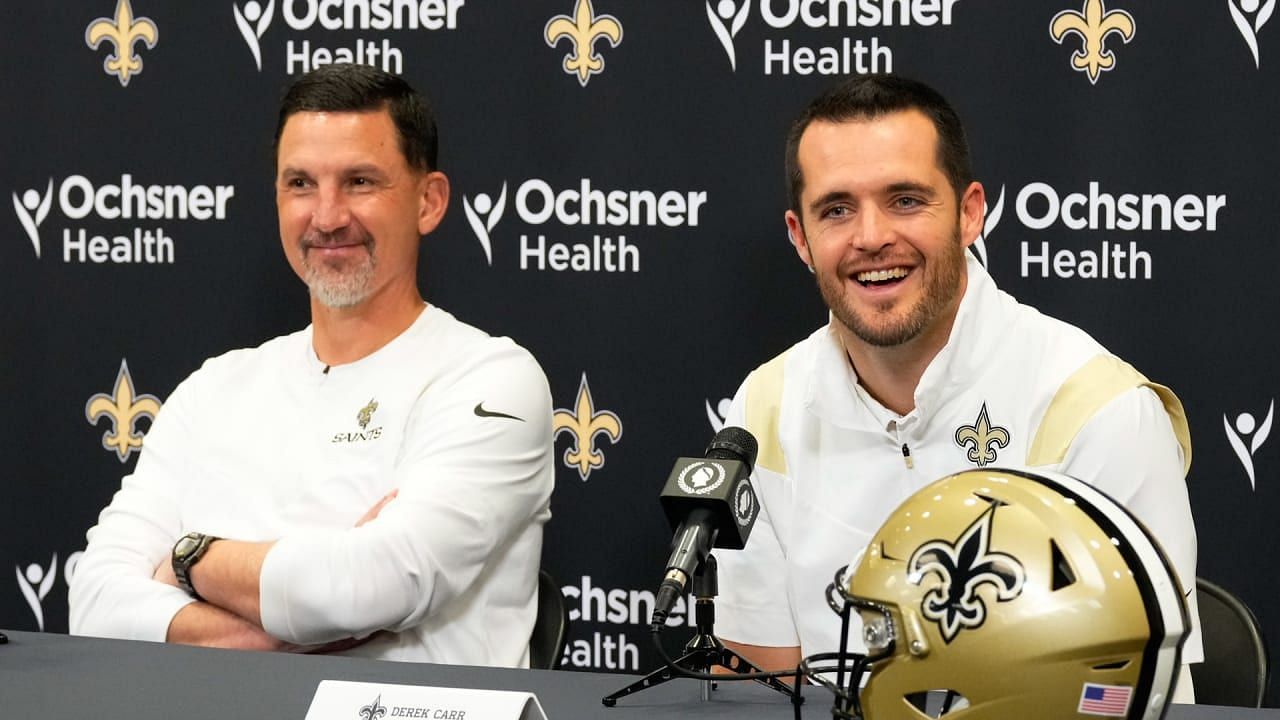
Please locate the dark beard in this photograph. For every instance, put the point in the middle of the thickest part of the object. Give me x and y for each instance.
(941, 286)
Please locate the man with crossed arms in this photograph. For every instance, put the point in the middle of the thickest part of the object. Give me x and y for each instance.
(375, 484)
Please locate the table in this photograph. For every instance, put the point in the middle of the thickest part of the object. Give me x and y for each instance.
(60, 676)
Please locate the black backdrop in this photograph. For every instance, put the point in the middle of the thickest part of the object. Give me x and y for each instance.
(661, 332)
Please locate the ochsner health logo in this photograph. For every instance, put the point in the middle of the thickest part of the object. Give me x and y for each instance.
(1241, 10)
(253, 22)
(33, 202)
(483, 213)
(346, 17)
(36, 581)
(35, 585)
(1246, 428)
(823, 37)
(545, 213)
(727, 21)
(133, 215)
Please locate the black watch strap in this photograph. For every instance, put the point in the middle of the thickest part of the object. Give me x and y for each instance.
(186, 553)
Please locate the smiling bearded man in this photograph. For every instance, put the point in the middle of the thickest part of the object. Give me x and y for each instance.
(925, 369)
(379, 512)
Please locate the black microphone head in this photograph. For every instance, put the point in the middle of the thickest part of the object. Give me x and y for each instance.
(734, 443)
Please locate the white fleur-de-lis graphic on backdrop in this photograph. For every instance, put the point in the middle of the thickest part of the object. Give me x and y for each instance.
(1249, 28)
(1246, 425)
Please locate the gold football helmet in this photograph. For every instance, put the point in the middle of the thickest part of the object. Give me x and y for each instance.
(1001, 594)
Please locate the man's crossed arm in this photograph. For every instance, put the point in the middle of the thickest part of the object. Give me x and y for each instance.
(229, 613)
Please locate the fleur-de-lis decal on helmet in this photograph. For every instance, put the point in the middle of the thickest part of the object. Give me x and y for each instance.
(1093, 26)
(124, 410)
(963, 568)
(982, 439)
(583, 424)
(583, 29)
(373, 710)
(123, 31)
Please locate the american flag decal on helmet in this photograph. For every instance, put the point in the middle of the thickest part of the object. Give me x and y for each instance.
(1105, 700)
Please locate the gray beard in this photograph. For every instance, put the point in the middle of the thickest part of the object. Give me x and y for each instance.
(340, 289)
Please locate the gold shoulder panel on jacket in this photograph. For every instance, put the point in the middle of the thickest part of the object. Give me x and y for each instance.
(764, 405)
(1097, 383)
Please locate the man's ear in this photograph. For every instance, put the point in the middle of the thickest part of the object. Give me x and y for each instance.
(972, 205)
(795, 233)
(433, 200)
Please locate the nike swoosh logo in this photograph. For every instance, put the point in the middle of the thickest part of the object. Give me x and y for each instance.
(481, 412)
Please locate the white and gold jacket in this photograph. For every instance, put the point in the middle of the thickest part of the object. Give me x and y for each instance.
(1012, 388)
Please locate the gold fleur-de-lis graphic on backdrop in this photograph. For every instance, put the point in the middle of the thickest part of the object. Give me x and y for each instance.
(366, 414)
(1093, 26)
(982, 440)
(124, 409)
(583, 424)
(123, 31)
(583, 30)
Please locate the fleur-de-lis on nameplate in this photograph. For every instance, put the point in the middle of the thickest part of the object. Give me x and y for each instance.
(982, 440)
(583, 424)
(373, 710)
(123, 31)
(124, 411)
(1093, 26)
(583, 30)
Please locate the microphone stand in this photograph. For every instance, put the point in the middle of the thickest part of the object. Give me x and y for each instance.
(704, 651)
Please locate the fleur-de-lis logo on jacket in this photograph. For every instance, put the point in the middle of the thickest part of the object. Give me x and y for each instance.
(583, 29)
(583, 424)
(366, 414)
(124, 409)
(123, 31)
(983, 440)
(963, 567)
(1093, 25)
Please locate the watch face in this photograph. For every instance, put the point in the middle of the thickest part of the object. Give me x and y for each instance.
(186, 545)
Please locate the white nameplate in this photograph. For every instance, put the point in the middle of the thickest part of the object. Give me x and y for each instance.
(342, 700)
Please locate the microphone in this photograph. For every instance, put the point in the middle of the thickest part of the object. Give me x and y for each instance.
(709, 502)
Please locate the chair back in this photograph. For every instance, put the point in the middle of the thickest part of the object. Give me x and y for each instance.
(1236, 668)
(551, 628)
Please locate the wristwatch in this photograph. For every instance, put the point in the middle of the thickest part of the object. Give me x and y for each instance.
(186, 553)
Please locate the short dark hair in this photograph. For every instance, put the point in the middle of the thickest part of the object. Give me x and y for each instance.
(867, 97)
(349, 87)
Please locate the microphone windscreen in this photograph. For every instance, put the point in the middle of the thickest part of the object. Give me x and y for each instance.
(737, 443)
